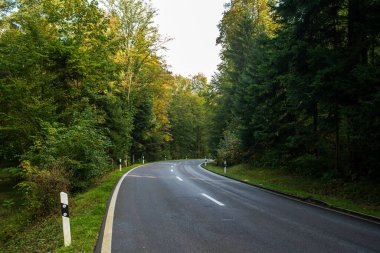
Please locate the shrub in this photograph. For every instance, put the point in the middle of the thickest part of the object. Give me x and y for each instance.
(229, 149)
(41, 189)
(80, 149)
(310, 165)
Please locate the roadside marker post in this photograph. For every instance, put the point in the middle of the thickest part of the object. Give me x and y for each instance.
(225, 167)
(65, 219)
(120, 164)
(143, 160)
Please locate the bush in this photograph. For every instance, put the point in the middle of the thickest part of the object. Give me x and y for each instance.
(310, 165)
(41, 189)
(229, 149)
(80, 149)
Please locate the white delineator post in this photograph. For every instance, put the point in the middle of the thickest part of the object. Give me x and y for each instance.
(143, 160)
(120, 164)
(225, 167)
(65, 219)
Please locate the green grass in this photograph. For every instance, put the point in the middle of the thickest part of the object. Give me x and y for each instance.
(86, 215)
(362, 197)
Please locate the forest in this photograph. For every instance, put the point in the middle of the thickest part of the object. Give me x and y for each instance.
(299, 87)
(83, 84)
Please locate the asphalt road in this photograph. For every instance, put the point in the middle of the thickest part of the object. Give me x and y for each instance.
(180, 207)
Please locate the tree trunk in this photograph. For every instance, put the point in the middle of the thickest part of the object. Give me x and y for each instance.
(356, 36)
(352, 19)
(315, 128)
(337, 139)
(129, 86)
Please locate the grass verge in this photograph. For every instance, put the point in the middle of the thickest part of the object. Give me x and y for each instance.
(361, 197)
(86, 214)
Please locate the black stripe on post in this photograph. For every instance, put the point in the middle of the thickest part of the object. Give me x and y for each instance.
(65, 210)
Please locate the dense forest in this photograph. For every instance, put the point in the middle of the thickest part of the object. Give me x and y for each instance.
(84, 84)
(299, 87)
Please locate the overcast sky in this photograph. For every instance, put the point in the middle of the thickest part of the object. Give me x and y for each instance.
(192, 25)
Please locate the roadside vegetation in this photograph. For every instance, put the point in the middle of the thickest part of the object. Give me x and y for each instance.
(363, 198)
(45, 235)
(82, 85)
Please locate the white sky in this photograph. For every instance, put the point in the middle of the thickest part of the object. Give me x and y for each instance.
(192, 25)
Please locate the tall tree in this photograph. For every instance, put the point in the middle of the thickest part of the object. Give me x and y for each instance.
(188, 120)
(289, 83)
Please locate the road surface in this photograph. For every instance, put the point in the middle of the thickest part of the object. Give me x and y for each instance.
(179, 207)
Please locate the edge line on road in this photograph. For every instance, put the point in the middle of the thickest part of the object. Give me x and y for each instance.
(180, 179)
(107, 233)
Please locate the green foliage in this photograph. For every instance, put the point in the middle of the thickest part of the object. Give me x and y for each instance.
(67, 57)
(117, 124)
(80, 149)
(8, 203)
(229, 148)
(187, 114)
(41, 189)
(301, 80)
(308, 165)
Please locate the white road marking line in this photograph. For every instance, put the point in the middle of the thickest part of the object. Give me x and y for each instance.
(107, 236)
(180, 179)
(146, 176)
(212, 199)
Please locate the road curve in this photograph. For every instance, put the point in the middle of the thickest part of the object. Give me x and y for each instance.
(179, 207)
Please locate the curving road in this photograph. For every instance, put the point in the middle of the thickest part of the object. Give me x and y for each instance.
(179, 207)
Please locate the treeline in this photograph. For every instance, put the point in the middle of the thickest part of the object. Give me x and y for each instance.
(299, 87)
(81, 86)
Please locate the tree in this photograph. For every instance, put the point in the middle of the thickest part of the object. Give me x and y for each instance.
(289, 82)
(188, 121)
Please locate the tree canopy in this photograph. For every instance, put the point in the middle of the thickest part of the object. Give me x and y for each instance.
(82, 85)
(299, 86)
